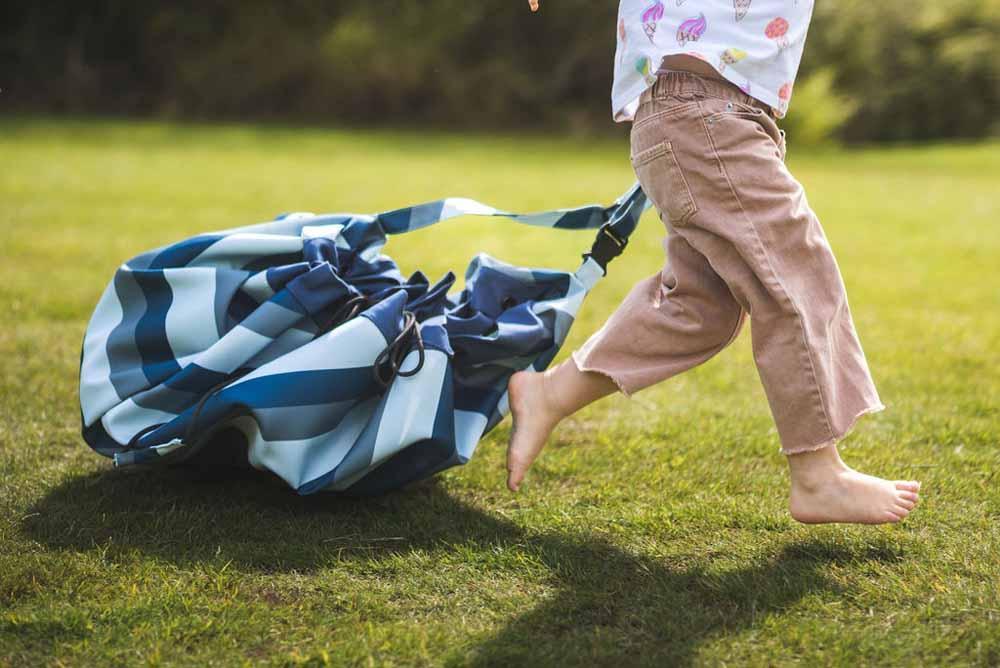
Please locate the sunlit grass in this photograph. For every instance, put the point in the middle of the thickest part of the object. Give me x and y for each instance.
(653, 531)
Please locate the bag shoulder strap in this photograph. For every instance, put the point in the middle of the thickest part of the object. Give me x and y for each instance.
(615, 223)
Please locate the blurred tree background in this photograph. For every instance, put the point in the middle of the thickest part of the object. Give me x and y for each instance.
(873, 71)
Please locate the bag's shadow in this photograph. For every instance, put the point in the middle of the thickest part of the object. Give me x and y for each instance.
(609, 604)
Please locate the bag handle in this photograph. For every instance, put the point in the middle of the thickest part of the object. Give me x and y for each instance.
(615, 223)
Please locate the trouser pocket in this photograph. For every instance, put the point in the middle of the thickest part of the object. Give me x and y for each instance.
(660, 175)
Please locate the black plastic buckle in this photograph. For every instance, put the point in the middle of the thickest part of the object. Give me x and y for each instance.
(607, 246)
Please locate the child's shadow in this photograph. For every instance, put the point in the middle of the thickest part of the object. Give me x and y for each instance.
(607, 605)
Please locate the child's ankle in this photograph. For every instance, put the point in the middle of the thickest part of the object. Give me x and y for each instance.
(812, 468)
(552, 397)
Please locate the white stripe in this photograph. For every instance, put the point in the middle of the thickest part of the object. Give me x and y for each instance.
(190, 322)
(545, 219)
(503, 406)
(589, 273)
(461, 206)
(236, 250)
(299, 461)
(331, 231)
(410, 406)
(354, 344)
(289, 225)
(232, 350)
(257, 287)
(128, 418)
(469, 426)
(288, 341)
(97, 394)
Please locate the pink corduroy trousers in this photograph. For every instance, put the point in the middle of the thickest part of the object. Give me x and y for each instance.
(741, 240)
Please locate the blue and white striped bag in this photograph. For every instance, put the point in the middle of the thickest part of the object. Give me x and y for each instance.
(301, 343)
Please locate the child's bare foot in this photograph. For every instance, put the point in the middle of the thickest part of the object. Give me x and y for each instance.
(535, 414)
(825, 489)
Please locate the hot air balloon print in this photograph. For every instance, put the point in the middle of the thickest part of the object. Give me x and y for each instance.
(650, 17)
(741, 7)
(730, 56)
(691, 29)
(777, 30)
(785, 92)
(642, 67)
(784, 95)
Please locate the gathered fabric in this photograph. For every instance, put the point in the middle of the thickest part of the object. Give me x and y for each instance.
(297, 347)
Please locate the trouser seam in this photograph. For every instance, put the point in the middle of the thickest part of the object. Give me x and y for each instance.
(767, 261)
(736, 329)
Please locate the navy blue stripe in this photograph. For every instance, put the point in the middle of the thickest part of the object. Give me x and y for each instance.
(304, 387)
(239, 308)
(394, 222)
(288, 300)
(267, 261)
(194, 378)
(278, 277)
(580, 220)
(158, 361)
(319, 288)
(180, 254)
(387, 315)
(100, 440)
(227, 287)
(123, 355)
(479, 399)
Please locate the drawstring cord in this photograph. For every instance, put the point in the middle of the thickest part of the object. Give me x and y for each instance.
(387, 364)
(134, 441)
(347, 311)
(189, 433)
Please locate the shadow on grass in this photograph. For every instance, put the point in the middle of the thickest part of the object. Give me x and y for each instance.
(609, 605)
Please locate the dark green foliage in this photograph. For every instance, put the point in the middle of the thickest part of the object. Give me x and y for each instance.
(900, 70)
(917, 69)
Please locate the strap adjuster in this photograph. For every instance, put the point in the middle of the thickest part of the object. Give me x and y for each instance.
(607, 246)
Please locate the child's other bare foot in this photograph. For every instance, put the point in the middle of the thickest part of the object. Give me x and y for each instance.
(825, 489)
(535, 414)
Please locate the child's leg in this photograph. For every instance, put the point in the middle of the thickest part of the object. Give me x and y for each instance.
(715, 170)
(670, 322)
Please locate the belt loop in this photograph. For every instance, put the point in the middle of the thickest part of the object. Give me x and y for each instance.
(662, 85)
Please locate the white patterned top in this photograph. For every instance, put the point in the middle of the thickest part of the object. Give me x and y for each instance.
(756, 44)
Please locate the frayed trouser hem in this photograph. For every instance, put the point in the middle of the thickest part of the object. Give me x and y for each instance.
(584, 368)
(836, 439)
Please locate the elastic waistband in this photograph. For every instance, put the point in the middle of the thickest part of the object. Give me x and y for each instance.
(679, 82)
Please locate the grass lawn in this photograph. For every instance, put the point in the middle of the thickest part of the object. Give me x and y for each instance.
(652, 531)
